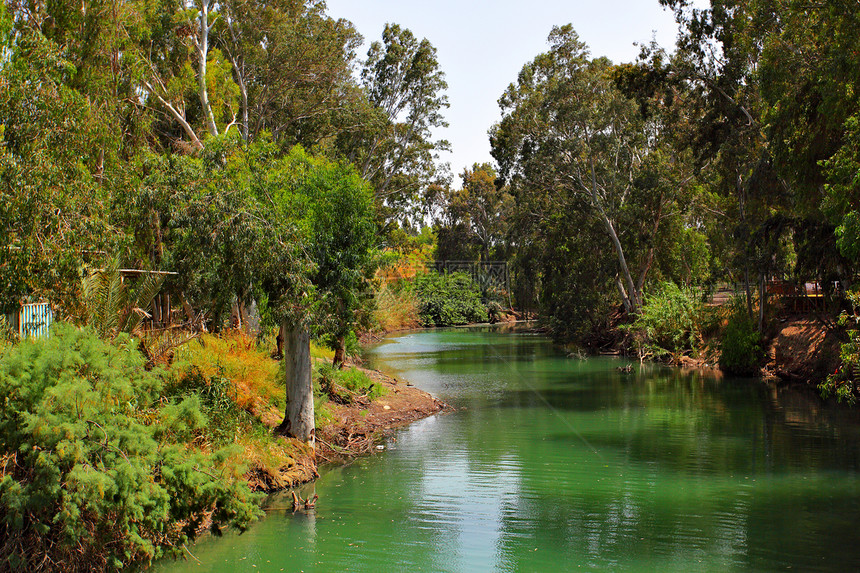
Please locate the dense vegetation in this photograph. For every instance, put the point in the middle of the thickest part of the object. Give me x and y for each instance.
(731, 161)
(228, 146)
(98, 468)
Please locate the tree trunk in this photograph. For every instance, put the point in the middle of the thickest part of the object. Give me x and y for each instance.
(623, 293)
(762, 301)
(203, 55)
(632, 295)
(339, 352)
(299, 416)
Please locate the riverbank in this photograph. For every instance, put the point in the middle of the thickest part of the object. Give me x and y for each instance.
(351, 430)
(797, 350)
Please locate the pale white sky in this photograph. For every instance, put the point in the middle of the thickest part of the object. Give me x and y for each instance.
(483, 45)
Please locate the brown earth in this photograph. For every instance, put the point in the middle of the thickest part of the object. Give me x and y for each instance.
(804, 350)
(361, 425)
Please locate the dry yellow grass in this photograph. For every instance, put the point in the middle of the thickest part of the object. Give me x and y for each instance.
(255, 374)
(395, 310)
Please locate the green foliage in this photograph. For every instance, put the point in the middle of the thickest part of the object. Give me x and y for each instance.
(843, 383)
(112, 307)
(93, 479)
(346, 385)
(51, 203)
(210, 400)
(669, 321)
(395, 151)
(741, 350)
(448, 299)
(476, 217)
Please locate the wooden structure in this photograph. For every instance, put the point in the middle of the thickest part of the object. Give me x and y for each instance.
(796, 297)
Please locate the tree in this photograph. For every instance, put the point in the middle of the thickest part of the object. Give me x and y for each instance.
(334, 208)
(568, 133)
(292, 64)
(478, 213)
(51, 202)
(394, 151)
(772, 92)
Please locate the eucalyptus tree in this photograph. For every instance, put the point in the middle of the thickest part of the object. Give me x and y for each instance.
(331, 208)
(51, 203)
(569, 136)
(293, 65)
(405, 87)
(476, 214)
(772, 91)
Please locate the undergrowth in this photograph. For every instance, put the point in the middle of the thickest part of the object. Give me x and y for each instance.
(669, 323)
(346, 386)
(396, 307)
(98, 473)
(247, 366)
(843, 383)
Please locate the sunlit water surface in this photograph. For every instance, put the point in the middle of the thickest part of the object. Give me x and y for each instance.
(551, 463)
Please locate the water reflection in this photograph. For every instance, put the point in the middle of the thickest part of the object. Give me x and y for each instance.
(551, 463)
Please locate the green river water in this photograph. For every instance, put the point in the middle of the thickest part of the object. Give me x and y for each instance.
(556, 464)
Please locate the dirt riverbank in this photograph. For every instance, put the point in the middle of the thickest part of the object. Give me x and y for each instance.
(353, 430)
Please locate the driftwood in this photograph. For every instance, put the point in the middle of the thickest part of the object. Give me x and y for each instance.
(299, 503)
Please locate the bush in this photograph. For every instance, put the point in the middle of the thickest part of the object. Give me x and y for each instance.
(669, 321)
(448, 299)
(843, 383)
(741, 350)
(91, 479)
(344, 386)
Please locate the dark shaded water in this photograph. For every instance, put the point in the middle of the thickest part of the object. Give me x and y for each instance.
(551, 463)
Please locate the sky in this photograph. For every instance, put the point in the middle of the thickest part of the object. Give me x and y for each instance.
(482, 46)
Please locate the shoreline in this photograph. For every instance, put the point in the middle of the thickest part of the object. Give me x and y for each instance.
(355, 430)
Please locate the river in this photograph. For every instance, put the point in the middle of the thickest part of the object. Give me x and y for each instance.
(552, 463)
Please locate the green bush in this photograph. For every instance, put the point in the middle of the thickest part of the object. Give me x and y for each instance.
(741, 350)
(448, 299)
(345, 385)
(91, 478)
(215, 399)
(843, 383)
(669, 321)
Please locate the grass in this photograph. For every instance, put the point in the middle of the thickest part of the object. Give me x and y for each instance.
(396, 309)
(257, 378)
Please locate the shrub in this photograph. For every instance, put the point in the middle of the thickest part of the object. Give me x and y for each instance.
(448, 299)
(234, 364)
(212, 397)
(345, 385)
(741, 350)
(843, 382)
(669, 321)
(91, 479)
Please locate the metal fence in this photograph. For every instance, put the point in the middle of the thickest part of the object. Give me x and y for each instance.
(490, 273)
(31, 319)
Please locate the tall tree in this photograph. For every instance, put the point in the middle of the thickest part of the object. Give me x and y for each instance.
(569, 133)
(476, 214)
(405, 88)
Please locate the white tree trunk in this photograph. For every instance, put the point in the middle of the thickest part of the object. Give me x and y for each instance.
(299, 417)
(203, 54)
(633, 294)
